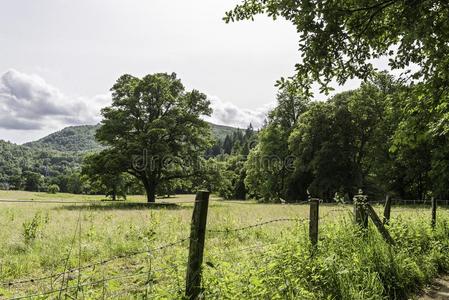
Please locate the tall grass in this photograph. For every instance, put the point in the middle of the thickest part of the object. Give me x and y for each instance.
(350, 263)
(275, 261)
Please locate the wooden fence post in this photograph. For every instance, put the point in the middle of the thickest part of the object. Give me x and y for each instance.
(360, 213)
(434, 212)
(387, 210)
(196, 249)
(313, 221)
(378, 223)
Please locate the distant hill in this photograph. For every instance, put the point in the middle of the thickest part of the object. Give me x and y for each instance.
(82, 138)
(57, 155)
(73, 138)
(221, 131)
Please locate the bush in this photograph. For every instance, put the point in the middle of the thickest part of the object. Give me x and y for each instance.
(4, 186)
(33, 227)
(53, 189)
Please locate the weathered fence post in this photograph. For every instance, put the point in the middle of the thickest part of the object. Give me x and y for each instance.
(313, 221)
(434, 212)
(378, 223)
(196, 249)
(387, 210)
(361, 216)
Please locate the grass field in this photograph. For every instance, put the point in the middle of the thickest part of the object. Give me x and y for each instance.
(39, 241)
(22, 195)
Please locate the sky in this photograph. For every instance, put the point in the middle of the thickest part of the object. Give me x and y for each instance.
(59, 58)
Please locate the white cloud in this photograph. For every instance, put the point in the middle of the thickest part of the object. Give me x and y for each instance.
(27, 102)
(227, 113)
(31, 107)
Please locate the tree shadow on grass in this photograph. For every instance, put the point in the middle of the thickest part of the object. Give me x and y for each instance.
(122, 206)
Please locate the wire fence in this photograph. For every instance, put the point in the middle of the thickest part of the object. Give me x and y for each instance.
(71, 280)
(80, 286)
(64, 276)
(94, 264)
(228, 230)
(406, 202)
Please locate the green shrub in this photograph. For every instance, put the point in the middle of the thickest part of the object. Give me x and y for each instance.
(33, 227)
(53, 189)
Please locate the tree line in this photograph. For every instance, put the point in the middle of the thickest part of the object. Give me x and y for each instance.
(373, 138)
(388, 135)
(154, 141)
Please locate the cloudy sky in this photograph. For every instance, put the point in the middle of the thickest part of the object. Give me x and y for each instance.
(58, 58)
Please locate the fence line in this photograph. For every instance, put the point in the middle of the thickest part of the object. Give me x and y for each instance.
(91, 265)
(84, 285)
(258, 225)
(130, 254)
(94, 202)
(197, 239)
(397, 201)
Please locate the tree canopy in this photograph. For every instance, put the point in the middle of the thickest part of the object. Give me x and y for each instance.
(154, 130)
(338, 39)
(389, 135)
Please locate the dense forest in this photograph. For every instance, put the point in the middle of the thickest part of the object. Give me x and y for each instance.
(374, 138)
(369, 138)
(32, 169)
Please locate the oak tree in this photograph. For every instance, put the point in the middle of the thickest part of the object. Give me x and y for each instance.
(154, 130)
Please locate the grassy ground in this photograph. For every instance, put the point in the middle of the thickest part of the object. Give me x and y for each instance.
(22, 195)
(274, 261)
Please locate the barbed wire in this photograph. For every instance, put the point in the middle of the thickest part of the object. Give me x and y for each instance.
(275, 221)
(258, 225)
(269, 203)
(96, 202)
(91, 265)
(62, 289)
(406, 201)
(246, 202)
(138, 286)
(130, 254)
(330, 212)
(246, 250)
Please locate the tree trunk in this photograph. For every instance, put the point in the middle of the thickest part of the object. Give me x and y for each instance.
(150, 189)
(114, 193)
(151, 196)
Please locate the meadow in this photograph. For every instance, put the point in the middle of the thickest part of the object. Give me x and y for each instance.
(110, 251)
